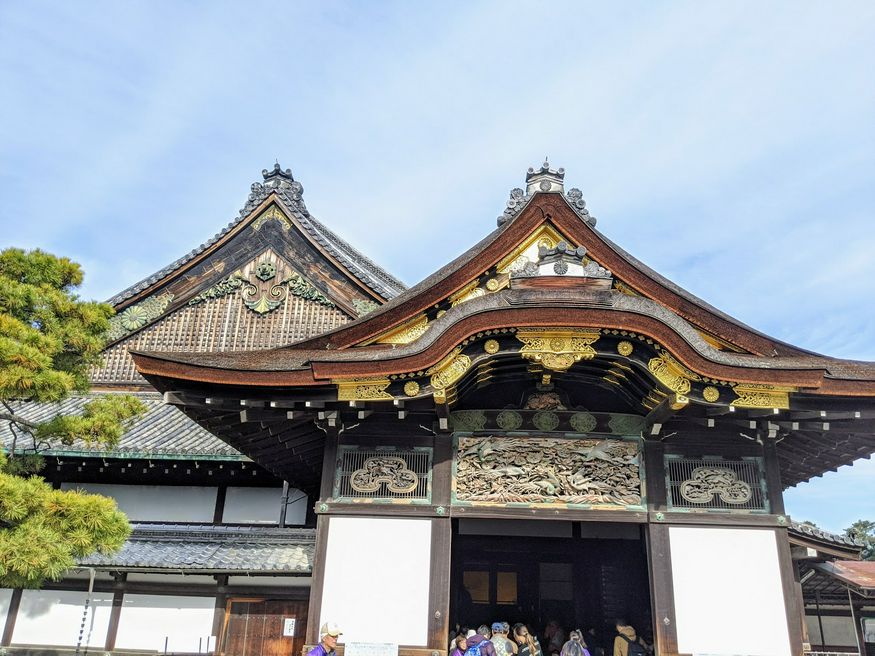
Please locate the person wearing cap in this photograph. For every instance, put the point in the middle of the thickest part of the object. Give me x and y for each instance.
(503, 646)
(328, 634)
(478, 644)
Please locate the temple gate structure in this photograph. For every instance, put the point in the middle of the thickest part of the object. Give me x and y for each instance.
(544, 426)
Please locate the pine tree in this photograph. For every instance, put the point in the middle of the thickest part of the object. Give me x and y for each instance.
(49, 338)
(863, 531)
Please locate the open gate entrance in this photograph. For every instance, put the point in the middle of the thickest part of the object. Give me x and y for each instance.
(580, 574)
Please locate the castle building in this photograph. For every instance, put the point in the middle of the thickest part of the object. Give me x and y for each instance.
(545, 428)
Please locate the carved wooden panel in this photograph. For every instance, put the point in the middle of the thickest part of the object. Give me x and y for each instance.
(716, 483)
(546, 470)
(383, 473)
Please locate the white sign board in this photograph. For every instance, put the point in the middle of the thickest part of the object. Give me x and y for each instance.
(370, 649)
(289, 627)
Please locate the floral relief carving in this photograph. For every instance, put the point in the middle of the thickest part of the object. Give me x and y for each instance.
(548, 470)
(707, 482)
(390, 471)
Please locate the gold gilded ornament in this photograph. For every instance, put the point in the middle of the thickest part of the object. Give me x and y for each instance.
(409, 332)
(411, 388)
(671, 373)
(711, 394)
(762, 396)
(491, 346)
(363, 389)
(625, 348)
(557, 349)
(492, 284)
(448, 371)
(272, 213)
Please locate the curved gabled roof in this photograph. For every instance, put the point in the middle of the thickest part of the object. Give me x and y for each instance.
(289, 192)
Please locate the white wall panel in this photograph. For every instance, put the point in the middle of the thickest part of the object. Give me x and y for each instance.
(728, 593)
(148, 620)
(245, 505)
(5, 598)
(54, 617)
(157, 503)
(377, 579)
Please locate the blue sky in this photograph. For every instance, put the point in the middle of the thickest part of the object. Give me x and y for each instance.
(731, 146)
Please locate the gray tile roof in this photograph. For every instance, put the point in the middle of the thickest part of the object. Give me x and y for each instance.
(212, 549)
(289, 191)
(163, 431)
(806, 530)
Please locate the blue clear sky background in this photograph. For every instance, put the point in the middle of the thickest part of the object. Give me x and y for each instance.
(731, 145)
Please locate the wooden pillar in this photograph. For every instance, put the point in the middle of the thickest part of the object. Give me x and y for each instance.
(11, 616)
(219, 509)
(315, 608)
(662, 589)
(791, 600)
(800, 600)
(220, 608)
(326, 489)
(439, 576)
(654, 474)
(118, 598)
(774, 486)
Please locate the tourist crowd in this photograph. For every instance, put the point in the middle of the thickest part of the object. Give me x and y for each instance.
(500, 639)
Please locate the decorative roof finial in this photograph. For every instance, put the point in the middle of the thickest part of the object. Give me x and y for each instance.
(277, 172)
(545, 179)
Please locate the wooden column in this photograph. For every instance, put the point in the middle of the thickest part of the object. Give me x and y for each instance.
(439, 594)
(654, 474)
(11, 616)
(662, 589)
(791, 600)
(315, 608)
(118, 598)
(219, 509)
(773, 478)
(220, 607)
(326, 489)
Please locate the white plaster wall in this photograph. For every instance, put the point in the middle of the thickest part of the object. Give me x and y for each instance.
(729, 598)
(147, 620)
(839, 631)
(261, 505)
(54, 617)
(157, 503)
(377, 579)
(5, 597)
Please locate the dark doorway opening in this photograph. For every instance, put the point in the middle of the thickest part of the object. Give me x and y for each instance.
(580, 574)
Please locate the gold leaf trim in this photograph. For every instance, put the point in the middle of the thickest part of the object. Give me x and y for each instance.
(449, 370)
(272, 212)
(762, 396)
(363, 389)
(671, 373)
(408, 332)
(468, 292)
(557, 349)
(546, 234)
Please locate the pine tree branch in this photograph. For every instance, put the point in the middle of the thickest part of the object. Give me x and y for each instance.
(18, 420)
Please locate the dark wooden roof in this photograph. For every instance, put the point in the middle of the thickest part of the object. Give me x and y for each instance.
(289, 192)
(828, 422)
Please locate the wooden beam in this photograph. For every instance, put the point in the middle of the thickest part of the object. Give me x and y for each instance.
(655, 419)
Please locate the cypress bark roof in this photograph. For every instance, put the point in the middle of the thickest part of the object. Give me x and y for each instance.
(289, 192)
